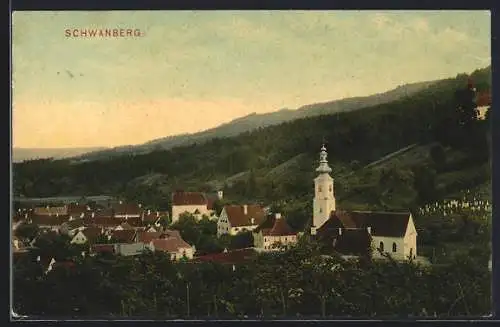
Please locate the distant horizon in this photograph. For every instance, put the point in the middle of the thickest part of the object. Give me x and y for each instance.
(186, 72)
(208, 128)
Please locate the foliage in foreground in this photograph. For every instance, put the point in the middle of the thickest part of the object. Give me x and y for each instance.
(298, 282)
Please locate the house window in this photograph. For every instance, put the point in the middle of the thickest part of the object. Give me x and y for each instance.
(394, 248)
(236, 229)
(381, 246)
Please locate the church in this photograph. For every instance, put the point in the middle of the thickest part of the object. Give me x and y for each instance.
(358, 233)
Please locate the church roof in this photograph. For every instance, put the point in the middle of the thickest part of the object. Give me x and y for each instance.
(388, 224)
(353, 242)
(181, 198)
(237, 217)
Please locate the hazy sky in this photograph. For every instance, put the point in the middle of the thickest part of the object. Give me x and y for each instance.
(190, 71)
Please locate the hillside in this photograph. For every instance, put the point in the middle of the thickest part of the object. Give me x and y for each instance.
(254, 121)
(21, 154)
(276, 164)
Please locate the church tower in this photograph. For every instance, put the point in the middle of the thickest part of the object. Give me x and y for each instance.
(324, 199)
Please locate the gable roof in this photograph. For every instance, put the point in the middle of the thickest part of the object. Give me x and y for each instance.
(353, 242)
(127, 209)
(150, 216)
(237, 217)
(49, 211)
(45, 220)
(75, 223)
(126, 226)
(230, 257)
(103, 221)
(388, 224)
(76, 209)
(124, 236)
(146, 237)
(181, 198)
(483, 99)
(100, 248)
(169, 245)
(273, 226)
(134, 221)
(92, 233)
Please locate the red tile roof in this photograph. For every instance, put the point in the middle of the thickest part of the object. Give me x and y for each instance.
(100, 248)
(181, 198)
(124, 236)
(49, 211)
(92, 233)
(43, 220)
(127, 209)
(134, 221)
(151, 217)
(230, 257)
(273, 226)
(169, 245)
(76, 209)
(483, 99)
(103, 221)
(147, 237)
(389, 224)
(126, 226)
(237, 217)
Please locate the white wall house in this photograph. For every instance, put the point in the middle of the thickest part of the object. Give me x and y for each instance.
(195, 203)
(273, 233)
(239, 218)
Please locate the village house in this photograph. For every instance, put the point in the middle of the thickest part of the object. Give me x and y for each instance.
(76, 211)
(153, 218)
(196, 203)
(177, 248)
(48, 222)
(51, 211)
(239, 218)
(273, 234)
(72, 227)
(127, 210)
(356, 232)
(88, 235)
(483, 102)
(123, 235)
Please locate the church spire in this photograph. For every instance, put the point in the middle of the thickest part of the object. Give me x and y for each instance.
(323, 167)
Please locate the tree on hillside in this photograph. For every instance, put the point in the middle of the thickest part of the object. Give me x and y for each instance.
(438, 156)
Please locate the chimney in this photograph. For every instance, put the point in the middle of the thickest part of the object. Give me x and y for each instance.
(278, 215)
(140, 205)
(340, 231)
(245, 209)
(93, 214)
(220, 194)
(157, 214)
(149, 211)
(121, 202)
(369, 229)
(313, 230)
(82, 215)
(252, 221)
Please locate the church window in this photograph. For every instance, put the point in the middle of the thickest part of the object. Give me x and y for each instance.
(394, 248)
(320, 211)
(330, 188)
(319, 188)
(381, 246)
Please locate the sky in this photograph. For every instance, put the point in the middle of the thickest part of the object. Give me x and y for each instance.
(189, 71)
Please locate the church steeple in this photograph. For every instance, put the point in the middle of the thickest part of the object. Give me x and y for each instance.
(323, 167)
(324, 199)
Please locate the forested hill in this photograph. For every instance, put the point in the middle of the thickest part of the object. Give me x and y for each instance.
(253, 121)
(277, 162)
